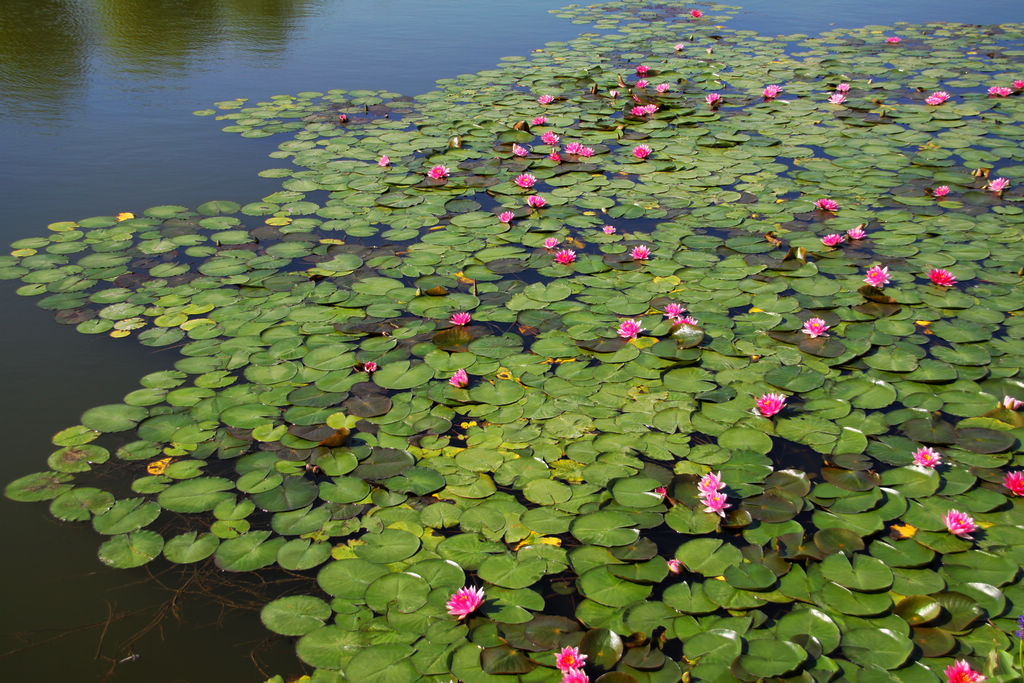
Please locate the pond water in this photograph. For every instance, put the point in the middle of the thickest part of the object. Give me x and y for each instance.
(96, 118)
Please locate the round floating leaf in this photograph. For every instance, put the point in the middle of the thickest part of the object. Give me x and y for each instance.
(250, 551)
(404, 591)
(717, 645)
(918, 609)
(877, 647)
(131, 550)
(80, 504)
(299, 554)
(390, 545)
(38, 486)
(190, 547)
(602, 647)
(295, 615)
(196, 495)
(125, 516)
(114, 418)
(328, 646)
(771, 657)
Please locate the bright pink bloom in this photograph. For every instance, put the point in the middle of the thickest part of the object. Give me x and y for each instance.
(525, 180)
(629, 329)
(937, 98)
(554, 156)
(893, 40)
(1018, 85)
(549, 138)
(550, 243)
(674, 310)
(1011, 403)
(941, 277)
(638, 111)
(641, 83)
(586, 152)
(827, 204)
(770, 92)
(545, 99)
(998, 184)
(715, 502)
(641, 70)
(815, 327)
(573, 148)
(536, 201)
(506, 216)
(575, 676)
(342, 118)
(642, 151)
(662, 87)
(640, 253)
(460, 318)
(570, 658)
(465, 600)
(519, 150)
(832, 240)
(959, 523)
(438, 172)
(927, 457)
(650, 108)
(961, 672)
(856, 233)
(540, 120)
(613, 94)
(369, 366)
(459, 380)
(1015, 482)
(383, 161)
(710, 50)
(713, 100)
(940, 191)
(836, 98)
(843, 87)
(675, 566)
(696, 13)
(661, 491)
(679, 46)
(710, 483)
(685, 320)
(609, 229)
(877, 276)
(565, 256)
(771, 404)
(997, 91)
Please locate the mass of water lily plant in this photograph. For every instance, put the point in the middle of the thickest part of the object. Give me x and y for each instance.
(671, 352)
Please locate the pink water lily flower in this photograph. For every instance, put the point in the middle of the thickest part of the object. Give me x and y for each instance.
(383, 161)
(465, 600)
(575, 676)
(941, 277)
(519, 150)
(1011, 403)
(525, 180)
(536, 201)
(997, 185)
(1015, 482)
(716, 503)
(641, 84)
(770, 92)
(540, 120)
(369, 366)
(675, 566)
(843, 87)
(1018, 85)
(554, 156)
(927, 457)
(570, 658)
(937, 98)
(641, 70)
(565, 256)
(629, 329)
(342, 118)
(836, 98)
(650, 108)
(685, 320)
(998, 91)
(438, 172)
(771, 404)
(661, 491)
(642, 151)
(663, 87)
(638, 111)
(460, 318)
(640, 253)
(961, 672)
(959, 523)
(586, 152)
(856, 233)
(815, 327)
(550, 243)
(613, 94)
(573, 148)
(713, 99)
(827, 204)
(832, 240)
(679, 47)
(877, 276)
(608, 229)
(545, 99)
(459, 380)
(710, 483)
(674, 310)
(893, 40)
(696, 13)
(549, 138)
(506, 216)
(940, 191)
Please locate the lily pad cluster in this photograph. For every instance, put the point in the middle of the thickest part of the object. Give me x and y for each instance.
(309, 424)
